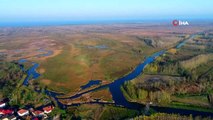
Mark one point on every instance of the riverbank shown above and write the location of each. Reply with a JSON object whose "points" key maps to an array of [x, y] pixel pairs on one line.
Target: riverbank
{"points": [[114, 87]]}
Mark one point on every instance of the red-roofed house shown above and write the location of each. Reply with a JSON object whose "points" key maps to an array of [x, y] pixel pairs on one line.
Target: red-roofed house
{"points": [[6, 112], [23, 112], [2, 104], [38, 113], [48, 109]]}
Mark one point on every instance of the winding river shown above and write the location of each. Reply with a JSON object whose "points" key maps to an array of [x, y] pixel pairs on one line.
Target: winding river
{"points": [[115, 88]]}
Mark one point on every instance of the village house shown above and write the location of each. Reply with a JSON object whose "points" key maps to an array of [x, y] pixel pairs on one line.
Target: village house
{"points": [[37, 113], [23, 112], [6, 111], [2, 104], [48, 109]]}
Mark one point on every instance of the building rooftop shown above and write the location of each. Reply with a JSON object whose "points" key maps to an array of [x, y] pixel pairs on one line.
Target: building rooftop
{"points": [[21, 111], [48, 108]]}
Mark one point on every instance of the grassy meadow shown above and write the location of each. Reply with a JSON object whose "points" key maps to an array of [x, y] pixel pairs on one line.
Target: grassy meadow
{"points": [[89, 52], [82, 60]]}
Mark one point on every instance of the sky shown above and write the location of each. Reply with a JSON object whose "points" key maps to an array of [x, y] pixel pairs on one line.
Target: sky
{"points": [[76, 10]]}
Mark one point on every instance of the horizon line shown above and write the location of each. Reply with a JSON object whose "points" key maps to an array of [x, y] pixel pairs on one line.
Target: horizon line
{"points": [[92, 22]]}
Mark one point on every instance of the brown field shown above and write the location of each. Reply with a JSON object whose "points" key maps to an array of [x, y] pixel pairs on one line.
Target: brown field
{"points": [[103, 94], [77, 54]]}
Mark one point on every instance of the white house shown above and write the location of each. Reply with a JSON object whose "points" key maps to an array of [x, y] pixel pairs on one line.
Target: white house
{"points": [[48, 109], [23, 112], [2, 104]]}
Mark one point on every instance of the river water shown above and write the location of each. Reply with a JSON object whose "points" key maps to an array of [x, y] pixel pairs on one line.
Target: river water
{"points": [[115, 88]]}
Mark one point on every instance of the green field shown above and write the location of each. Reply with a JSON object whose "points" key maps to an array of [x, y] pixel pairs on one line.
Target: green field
{"points": [[80, 61], [182, 78]]}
